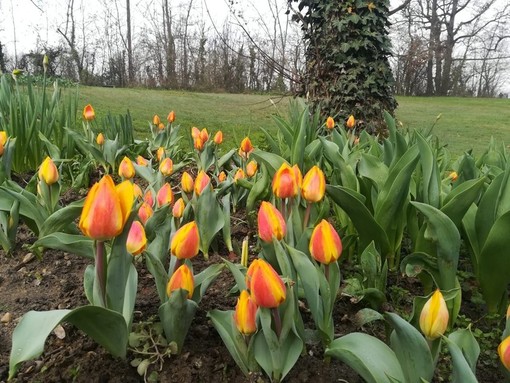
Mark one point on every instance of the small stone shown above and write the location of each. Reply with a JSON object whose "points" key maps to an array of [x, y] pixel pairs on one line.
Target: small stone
{"points": [[22, 270], [6, 318], [28, 257], [59, 332]]}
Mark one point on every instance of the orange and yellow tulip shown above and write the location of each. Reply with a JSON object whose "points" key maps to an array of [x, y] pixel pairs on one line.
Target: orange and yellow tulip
{"points": [[314, 185], [245, 314], [198, 144], [136, 240], [137, 191], [126, 169], [245, 148], [161, 126], [186, 241], [222, 176], [106, 209], [141, 161], [171, 117], [88, 113], [201, 182], [187, 182], [3, 137], [453, 176], [351, 122], [100, 139], [149, 198], [504, 352], [165, 195], [195, 132], [239, 175], [251, 168], [330, 123], [434, 316], [204, 135], [218, 137], [271, 223], [166, 167], [285, 184], [145, 212], [181, 279], [156, 120], [325, 244], [178, 208], [48, 172], [298, 175], [266, 287], [160, 153]]}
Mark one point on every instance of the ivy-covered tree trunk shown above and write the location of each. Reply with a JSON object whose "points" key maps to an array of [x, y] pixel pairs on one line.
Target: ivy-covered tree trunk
{"points": [[347, 68]]}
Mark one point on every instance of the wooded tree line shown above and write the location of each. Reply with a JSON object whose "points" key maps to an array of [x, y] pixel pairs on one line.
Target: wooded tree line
{"points": [[439, 47]]}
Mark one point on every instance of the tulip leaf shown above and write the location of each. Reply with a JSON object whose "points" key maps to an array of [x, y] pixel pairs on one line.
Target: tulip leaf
{"points": [[259, 189], [106, 327], [239, 277], [130, 295], [62, 219], [368, 356], [430, 179], [462, 372], [299, 139], [225, 158], [373, 168], [159, 273], [468, 224], [411, 350], [209, 218], [467, 343], [204, 279], [458, 201], [271, 160], [342, 170], [72, 243], [493, 266]]}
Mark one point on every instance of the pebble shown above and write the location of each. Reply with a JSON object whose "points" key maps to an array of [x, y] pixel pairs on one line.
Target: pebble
{"points": [[28, 257], [6, 318]]}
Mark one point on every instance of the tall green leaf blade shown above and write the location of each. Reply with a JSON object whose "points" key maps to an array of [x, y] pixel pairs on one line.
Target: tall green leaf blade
{"points": [[461, 370], [430, 181], [209, 217], [458, 201], [72, 243]]}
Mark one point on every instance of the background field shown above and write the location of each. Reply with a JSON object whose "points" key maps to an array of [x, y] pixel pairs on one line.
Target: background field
{"points": [[465, 123]]}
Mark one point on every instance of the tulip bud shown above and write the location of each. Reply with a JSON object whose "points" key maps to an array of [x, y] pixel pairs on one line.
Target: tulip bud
{"points": [[88, 113], [137, 191], [100, 139], [314, 185], [161, 126], [166, 167], [351, 122], [453, 176], [186, 241], [330, 123], [434, 316], [204, 135], [160, 153], [245, 314], [156, 120], [3, 137], [1, 150], [126, 169], [136, 240], [195, 132], [239, 175], [325, 244], [106, 209], [45, 63], [504, 352], [145, 212], [171, 117], [178, 208], [218, 137], [285, 184], [245, 148], [149, 198], [251, 168], [181, 279], [198, 144], [187, 183], [165, 195], [48, 172], [141, 161], [222, 176], [266, 287], [298, 176], [201, 182], [271, 223]]}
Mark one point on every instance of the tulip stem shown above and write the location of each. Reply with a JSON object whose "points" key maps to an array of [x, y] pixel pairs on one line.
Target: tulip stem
{"points": [[307, 215], [101, 270], [326, 272], [277, 321], [178, 264]]}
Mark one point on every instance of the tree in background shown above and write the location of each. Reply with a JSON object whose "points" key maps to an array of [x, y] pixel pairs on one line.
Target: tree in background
{"points": [[347, 68], [2, 60]]}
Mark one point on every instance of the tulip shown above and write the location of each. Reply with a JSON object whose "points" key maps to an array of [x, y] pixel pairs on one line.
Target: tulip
{"points": [[271, 223], [186, 241], [166, 167], [314, 185], [239, 175], [434, 316], [325, 244], [453, 176], [48, 172], [201, 182], [3, 137], [45, 63], [245, 148], [100, 139], [356, 141], [171, 117], [204, 135], [141, 161], [187, 182], [161, 126], [251, 168], [285, 184], [178, 208], [351, 122], [222, 176], [160, 153], [198, 144], [266, 287], [298, 176], [149, 198], [195, 132], [330, 123], [137, 191], [181, 279], [218, 137], [504, 352], [245, 314], [145, 212], [1, 150], [106, 209], [156, 120], [136, 240], [126, 169], [88, 113], [165, 195]]}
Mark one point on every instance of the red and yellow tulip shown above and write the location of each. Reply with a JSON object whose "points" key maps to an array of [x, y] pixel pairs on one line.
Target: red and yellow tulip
{"points": [[156, 120], [187, 182], [266, 287], [88, 113], [48, 172], [160, 153], [181, 279], [504, 352], [314, 185], [171, 117], [201, 182], [218, 137], [245, 314], [126, 169], [434, 316], [149, 198], [137, 191], [198, 144], [141, 161], [330, 123], [251, 168], [204, 135], [222, 176], [271, 223], [239, 175], [195, 132], [136, 240], [3, 137], [186, 241], [178, 208], [166, 167], [351, 122], [285, 184], [145, 212], [245, 148], [106, 209], [165, 195], [100, 139], [325, 244]]}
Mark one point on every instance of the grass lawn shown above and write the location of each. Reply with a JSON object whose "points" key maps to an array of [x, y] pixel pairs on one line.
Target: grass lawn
{"points": [[465, 123]]}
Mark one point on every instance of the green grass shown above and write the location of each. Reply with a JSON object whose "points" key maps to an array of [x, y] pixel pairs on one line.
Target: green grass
{"points": [[465, 123]]}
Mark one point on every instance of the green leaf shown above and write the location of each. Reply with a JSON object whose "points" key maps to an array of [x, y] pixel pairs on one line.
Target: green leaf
{"points": [[467, 343], [106, 327], [458, 201], [239, 277], [461, 370], [368, 356], [209, 218], [430, 180], [72, 243], [373, 168], [204, 279], [62, 219], [411, 349], [259, 189], [272, 161], [159, 273]]}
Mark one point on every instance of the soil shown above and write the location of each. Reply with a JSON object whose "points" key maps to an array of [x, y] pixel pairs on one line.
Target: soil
{"points": [[56, 282]]}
